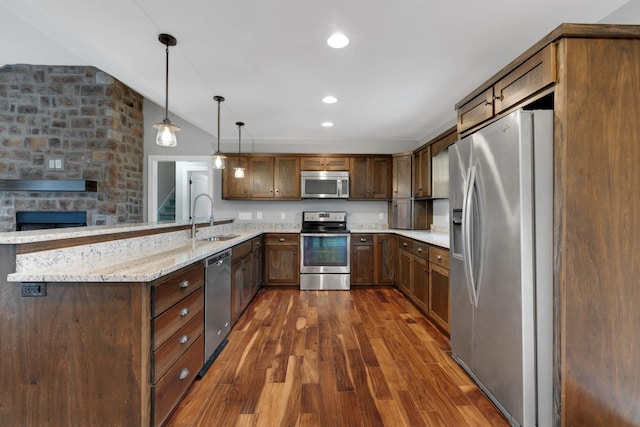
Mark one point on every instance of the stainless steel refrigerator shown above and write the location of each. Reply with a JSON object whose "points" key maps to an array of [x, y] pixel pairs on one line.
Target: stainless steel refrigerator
{"points": [[501, 293]]}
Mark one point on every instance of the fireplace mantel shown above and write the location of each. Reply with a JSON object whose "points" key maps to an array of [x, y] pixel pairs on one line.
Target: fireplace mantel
{"points": [[48, 185]]}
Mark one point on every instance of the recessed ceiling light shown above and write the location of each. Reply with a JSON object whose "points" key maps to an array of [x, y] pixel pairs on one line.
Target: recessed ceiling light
{"points": [[338, 41], [329, 99], [327, 124]]}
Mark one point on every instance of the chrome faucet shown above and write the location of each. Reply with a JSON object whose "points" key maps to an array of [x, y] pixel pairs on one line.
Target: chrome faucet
{"points": [[193, 213]]}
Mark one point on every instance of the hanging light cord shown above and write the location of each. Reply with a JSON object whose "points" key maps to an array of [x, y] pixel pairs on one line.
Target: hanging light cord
{"points": [[166, 84]]}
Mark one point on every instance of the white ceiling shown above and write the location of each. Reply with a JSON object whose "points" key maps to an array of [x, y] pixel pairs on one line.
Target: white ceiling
{"points": [[408, 63]]}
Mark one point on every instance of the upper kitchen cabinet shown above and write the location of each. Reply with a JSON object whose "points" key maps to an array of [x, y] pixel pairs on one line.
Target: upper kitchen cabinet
{"points": [[590, 76], [431, 167], [369, 178], [402, 175], [324, 163], [513, 88], [422, 172], [267, 178]]}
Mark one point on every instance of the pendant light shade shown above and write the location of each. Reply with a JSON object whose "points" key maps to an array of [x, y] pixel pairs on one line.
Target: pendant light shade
{"points": [[238, 171], [166, 136], [219, 160]]}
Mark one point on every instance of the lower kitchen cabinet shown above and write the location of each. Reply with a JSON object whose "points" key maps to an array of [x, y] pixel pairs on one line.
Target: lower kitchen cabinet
{"points": [[241, 278], [439, 287], [423, 276], [100, 353], [282, 259], [384, 259], [362, 259]]}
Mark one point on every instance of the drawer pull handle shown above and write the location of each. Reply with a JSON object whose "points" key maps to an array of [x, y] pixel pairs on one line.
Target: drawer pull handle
{"points": [[281, 239], [183, 374], [184, 339], [439, 257], [184, 284], [362, 239], [184, 312]]}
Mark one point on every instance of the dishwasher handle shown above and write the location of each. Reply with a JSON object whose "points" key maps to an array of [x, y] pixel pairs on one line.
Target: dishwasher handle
{"points": [[218, 258]]}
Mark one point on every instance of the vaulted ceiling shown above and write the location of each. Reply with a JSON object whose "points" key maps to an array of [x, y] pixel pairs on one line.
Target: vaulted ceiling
{"points": [[408, 61]]}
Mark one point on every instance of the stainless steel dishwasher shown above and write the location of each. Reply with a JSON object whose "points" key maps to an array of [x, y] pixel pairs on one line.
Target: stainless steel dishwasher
{"points": [[217, 306]]}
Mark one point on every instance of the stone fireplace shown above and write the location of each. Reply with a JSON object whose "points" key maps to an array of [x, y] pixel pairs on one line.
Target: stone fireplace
{"points": [[70, 123]]}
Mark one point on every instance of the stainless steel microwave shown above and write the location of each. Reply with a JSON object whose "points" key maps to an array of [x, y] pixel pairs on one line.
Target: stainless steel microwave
{"points": [[325, 184]]}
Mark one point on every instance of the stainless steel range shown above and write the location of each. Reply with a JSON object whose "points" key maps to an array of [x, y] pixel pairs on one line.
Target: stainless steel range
{"points": [[324, 248]]}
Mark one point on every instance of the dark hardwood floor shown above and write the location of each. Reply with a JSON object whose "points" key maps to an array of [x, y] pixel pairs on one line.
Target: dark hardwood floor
{"points": [[366, 357]]}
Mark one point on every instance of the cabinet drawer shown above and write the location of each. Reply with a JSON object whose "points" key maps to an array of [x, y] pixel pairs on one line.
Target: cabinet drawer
{"points": [[362, 240], [176, 317], [281, 239], [176, 287], [173, 385], [421, 250], [240, 251], [256, 243], [439, 257], [533, 75], [165, 356], [405, 244]]}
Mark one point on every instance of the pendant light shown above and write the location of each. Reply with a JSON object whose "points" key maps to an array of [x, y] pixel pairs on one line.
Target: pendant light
{"points": [[239, 170], [166, 136], [219, 160]]}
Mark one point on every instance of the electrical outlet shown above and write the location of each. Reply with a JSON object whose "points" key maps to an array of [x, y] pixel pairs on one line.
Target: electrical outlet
{"points": [[33, 289]]}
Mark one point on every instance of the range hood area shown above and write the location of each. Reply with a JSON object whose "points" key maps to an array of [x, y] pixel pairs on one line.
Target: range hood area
{"points": [[48, 185]]}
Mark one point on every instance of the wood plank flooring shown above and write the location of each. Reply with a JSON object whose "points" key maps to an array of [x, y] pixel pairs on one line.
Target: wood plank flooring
{"points": [[366, 357]]}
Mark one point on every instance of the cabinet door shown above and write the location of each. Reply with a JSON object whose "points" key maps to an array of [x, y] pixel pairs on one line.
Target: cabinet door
{"points": [[439, 296], [260, 177], [422, 173], [404, 271], [282, 265], [361, 259], [476, 110], [234, 188], [384, 259], [401, 176], [420, 281], [324, 164], [237, 278], [286, 179], [380, 178], [358, 177], [258, 267], [247, 282]]}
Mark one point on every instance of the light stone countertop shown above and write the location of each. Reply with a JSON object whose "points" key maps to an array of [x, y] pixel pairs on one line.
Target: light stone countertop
{"points": [[126, 262]]}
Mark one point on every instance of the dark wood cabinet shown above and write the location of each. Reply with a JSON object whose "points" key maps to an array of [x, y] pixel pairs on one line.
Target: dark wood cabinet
{"points": [[401, 176], [404, 270], [257, 250], [282, 260], [328, 163], [439, 287], [370, 178], [422, 173], [241, 278], [362, 259], [266, 178], [384, 259], [420, 282]]}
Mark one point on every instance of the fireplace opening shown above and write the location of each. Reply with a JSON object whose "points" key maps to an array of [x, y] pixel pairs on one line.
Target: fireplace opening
{"points": [[38, 220]]}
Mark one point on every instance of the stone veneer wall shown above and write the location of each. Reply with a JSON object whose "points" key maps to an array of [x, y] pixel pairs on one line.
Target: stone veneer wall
{"points": [[84, 116]]}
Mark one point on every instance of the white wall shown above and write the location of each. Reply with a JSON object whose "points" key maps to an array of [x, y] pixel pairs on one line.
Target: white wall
{"points": [[193, 141]]}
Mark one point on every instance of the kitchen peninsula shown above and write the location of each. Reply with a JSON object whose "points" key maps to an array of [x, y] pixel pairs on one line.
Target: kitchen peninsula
{"points": [[91, 350]]}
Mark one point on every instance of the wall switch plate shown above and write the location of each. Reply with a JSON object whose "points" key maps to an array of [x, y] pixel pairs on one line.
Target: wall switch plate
{"points": [[283, 215], [29, 289], [380, 215], [245, 216], [258, 215]]}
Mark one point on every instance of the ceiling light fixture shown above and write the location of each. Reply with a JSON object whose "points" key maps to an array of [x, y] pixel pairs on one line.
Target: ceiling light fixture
{"points": [[219, 160], [329, 99], [338, 41], [327, 124], [239, 170], [166, 136]]}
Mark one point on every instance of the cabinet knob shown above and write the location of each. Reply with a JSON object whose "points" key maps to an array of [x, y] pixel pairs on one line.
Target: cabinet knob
{"points": [[183, 374], [184, 339], [439, 257], [277, 191], [281, 239], [363, 239], [404, 244], [419, 249], [184, 312], [184, 284]]}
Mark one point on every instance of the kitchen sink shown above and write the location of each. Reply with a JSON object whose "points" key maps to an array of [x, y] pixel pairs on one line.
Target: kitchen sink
{"points": [[220, 238]]}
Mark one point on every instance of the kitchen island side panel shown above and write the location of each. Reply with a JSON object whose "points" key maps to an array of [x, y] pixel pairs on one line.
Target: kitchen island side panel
{"points": [[77, 356], [596, 229]]}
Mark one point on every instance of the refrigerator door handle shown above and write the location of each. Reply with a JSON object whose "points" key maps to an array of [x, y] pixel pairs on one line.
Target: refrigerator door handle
{"points": [[466, 234]]}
